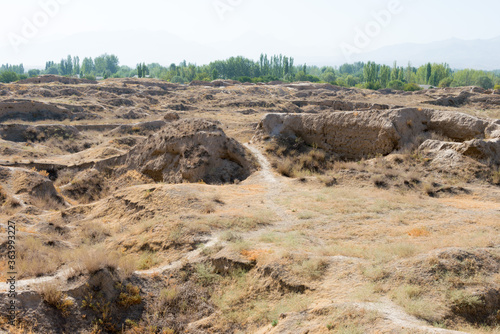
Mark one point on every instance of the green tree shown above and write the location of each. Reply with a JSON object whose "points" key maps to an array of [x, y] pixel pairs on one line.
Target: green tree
{"points": [[112, 63], [100, 65], [178, 79], [370, 73], [69, 65], [300, 76], [409, 73], [396, 85], [395, 72], [446, 82], [485, 82], [329, 76], [88, 66], [428, 73], [139, 71], [76, 65], [351, 81], [411, 87], [49, 64], [215, 74], [33, 73], [8, 76], [52, 70], [385, 75]]}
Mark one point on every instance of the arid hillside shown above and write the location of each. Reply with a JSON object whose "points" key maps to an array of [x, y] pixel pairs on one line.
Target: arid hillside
{"points": [[142, 206]]}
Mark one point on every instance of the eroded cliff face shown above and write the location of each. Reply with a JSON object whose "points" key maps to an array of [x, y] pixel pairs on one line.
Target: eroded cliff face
{"points": [[361, 134]]}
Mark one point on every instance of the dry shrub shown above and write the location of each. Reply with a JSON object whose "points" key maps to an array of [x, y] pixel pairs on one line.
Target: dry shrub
{"points": [[495, 176], [174, 308], [128, 265], [96, 259], [293, 156], [428, 188], [9, 205], [286, 167], [94, 233], [20, 327], [3, 195], [129, 295], [310, 268], [56, 298], [37, 259], [205, 274], [64, 177], [147, 260], [235, 296], [47, 202], [208, 208], [43, 173], [314, 161], [87, 186], [380, 182]]}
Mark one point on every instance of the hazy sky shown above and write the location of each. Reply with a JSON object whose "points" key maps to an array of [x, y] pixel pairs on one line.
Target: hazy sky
{"points": [[322, 25]]}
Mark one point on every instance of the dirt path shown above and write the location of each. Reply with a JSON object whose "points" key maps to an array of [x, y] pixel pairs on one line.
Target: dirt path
{"points": [[190, 257], [274, 188], [389, 311], [396, 316]]}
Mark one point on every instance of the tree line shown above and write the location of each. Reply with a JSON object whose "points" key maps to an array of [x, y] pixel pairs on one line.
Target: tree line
{"points": [[267, 68]]}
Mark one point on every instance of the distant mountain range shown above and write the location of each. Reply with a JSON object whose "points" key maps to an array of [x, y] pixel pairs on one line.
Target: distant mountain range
{"points": [[133, 47], [477, 54]]}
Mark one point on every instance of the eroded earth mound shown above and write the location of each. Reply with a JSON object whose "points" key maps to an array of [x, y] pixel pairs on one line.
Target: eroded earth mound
{"points": [[362, 134], [191, 150]]}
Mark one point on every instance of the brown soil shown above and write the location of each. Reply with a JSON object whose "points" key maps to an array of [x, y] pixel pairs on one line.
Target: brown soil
{"points": [[143, 206]]}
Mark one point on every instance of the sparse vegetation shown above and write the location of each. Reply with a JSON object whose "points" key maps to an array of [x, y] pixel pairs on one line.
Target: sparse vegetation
{"points": [[129, 295], [318, 248], [55, 298]]}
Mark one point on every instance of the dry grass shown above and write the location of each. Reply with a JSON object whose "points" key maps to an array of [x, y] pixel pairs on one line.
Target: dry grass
{"points": [[294, 158], [147, 260], [10, 206], [94, 259], [47, 202], [242, 222], [52, 295], [311, 269], [416, 302], [350, 320], [64, 177], [376, 212], [128, 265], [238, 303], [37, 259], [93, 232], [287, 167]]}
